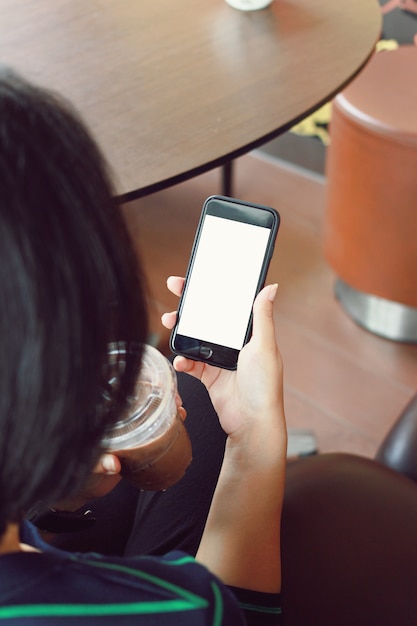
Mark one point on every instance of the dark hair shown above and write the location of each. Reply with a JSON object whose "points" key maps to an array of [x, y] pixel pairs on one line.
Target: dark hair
{"points": [[70, 283]]}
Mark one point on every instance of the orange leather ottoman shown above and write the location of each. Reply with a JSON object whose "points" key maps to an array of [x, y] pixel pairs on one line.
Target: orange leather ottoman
{"points": [[370, 226]]}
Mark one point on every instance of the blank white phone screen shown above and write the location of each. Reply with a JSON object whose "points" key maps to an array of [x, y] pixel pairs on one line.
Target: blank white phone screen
{"points": [[223, 282]]}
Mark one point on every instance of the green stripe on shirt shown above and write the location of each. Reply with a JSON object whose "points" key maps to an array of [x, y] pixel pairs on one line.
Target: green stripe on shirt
{"points": [[192, 598], [261, 609], [218, 607], [90, 610], [185, 601]]}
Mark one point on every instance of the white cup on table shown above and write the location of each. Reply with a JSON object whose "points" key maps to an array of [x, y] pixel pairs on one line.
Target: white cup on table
{"points": [[249, 5]]}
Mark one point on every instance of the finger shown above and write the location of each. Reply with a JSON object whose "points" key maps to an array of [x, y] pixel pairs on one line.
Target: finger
{"points": [[108, 464], [207, 374], [263, 316], [182, 413], [194, 368], [175, 284], [168, 319]]}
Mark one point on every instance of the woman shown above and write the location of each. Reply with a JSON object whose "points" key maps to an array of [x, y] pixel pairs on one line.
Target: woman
{"points": [[70, 285]]}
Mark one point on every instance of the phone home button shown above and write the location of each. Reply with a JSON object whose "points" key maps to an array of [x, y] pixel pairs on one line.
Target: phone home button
{"points": [[206, 352]]}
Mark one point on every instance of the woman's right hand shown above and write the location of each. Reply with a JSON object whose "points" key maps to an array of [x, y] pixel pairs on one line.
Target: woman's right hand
{"points": [[253, 394], [241, 539]]}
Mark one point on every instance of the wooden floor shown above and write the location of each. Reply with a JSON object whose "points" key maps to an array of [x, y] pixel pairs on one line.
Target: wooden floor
{"points": [[342, 382]]}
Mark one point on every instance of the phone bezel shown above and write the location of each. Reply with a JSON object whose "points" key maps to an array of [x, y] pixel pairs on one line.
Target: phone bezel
{"points": [[235, 210]]}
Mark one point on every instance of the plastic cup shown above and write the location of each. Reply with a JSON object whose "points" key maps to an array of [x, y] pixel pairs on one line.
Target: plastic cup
{"points": [[151, 440]]}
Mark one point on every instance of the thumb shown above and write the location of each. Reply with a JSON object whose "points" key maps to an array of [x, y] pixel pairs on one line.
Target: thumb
{"points": [[108, 464], [263, 316]]}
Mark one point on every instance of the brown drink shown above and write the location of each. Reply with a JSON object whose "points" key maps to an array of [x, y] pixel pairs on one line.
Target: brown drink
{"points": [[160, 463], [151, 441]]}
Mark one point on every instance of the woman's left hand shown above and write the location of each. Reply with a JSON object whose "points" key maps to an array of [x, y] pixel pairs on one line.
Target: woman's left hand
{"points": [[102, 480], [104, 477]]}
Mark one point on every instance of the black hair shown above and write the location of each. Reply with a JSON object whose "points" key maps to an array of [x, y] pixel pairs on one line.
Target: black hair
{"points": [[70, 283]]}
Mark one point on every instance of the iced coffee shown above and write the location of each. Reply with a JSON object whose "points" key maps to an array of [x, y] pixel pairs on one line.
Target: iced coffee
{"points": [[151, 440]]}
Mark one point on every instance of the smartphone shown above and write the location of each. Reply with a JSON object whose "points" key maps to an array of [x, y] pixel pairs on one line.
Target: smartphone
{"points": [[229, 262]]}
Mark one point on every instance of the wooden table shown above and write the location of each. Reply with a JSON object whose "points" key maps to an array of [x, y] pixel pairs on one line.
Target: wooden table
{"points": [[172, 88]]}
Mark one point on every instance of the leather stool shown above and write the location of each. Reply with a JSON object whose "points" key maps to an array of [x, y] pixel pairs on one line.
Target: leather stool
{"points": [[370, 227]]}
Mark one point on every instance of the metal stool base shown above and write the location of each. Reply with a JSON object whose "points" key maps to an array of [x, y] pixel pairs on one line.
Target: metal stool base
{"points": [[382, 317]]}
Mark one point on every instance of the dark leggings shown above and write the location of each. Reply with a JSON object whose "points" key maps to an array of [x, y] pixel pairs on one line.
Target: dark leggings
{"points": [[349, 528]]}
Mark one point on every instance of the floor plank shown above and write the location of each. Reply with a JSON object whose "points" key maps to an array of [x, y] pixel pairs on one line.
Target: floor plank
{"points": [[341, 381]]}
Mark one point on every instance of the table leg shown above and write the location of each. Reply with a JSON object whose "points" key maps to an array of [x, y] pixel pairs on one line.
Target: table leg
{"points": [[227, 173]]}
